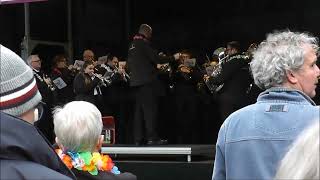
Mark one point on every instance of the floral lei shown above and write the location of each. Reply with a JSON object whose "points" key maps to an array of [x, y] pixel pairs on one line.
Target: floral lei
{"points": [[87, 161]]}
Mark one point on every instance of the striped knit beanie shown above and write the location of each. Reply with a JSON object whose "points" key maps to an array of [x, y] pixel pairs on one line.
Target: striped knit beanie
{"points": [[18, 89]]}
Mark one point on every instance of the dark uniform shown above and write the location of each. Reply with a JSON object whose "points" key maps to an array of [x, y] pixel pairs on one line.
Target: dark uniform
{"points": [[236, 79], [142, 62]]}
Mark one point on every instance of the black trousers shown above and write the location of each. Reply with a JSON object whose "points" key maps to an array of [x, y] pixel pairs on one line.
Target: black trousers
{"points": [[146, 112]]}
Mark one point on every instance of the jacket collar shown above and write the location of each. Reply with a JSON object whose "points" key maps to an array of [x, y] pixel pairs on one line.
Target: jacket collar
{"points": [[282, 94]]}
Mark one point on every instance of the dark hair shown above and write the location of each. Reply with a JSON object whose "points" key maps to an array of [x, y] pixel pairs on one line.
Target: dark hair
{"points": [[87, 81], [234, 45], [58, 58]]}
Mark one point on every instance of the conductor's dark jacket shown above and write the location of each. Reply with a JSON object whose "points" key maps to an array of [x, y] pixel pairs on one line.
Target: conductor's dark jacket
{"points": [[142, 62]]}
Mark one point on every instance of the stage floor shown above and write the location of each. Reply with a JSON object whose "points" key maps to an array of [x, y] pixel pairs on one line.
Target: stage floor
{"points": [[188, 150]]}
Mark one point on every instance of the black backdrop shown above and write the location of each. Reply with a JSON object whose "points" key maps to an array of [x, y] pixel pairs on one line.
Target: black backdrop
{"points": [[200, 25]]}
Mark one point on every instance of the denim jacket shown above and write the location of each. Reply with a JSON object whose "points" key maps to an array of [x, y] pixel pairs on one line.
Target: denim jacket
{"points": [[253, 140]]}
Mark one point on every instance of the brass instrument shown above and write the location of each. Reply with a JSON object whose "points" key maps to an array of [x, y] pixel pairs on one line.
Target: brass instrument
{"points": [[126, 75], [185, 71], [217, 69], [43, 79], [49, 84], [103, 80]]}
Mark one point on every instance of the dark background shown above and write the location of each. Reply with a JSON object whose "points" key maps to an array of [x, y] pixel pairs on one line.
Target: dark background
{"points": [[203, 26]]}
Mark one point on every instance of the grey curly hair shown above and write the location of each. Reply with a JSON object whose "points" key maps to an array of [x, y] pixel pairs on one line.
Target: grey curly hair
{"points": [[279, 53]]}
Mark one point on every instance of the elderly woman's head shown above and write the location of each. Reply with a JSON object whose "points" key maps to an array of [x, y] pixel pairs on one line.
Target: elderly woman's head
{"points": [[287, 59], [78, 126]]}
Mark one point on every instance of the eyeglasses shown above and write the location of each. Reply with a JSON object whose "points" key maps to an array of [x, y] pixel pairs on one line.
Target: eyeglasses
{"points": [[36, 60]]}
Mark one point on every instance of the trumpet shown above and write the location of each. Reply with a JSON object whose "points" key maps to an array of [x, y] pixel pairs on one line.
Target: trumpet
{"points": [[124, 72], [103, 80]]}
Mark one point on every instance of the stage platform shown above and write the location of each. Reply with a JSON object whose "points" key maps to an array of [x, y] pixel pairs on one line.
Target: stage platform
{"points": [[188, 151]]}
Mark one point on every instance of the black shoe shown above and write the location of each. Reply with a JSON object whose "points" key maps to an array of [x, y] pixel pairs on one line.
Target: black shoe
{"points": [[157, 142]]}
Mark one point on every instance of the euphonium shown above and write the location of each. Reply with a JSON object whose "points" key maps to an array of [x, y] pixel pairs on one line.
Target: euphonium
{"points": [[214, 88]]}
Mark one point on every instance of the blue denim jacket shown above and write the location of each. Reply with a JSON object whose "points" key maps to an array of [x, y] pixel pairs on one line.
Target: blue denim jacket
{"points": [[254, 139]]}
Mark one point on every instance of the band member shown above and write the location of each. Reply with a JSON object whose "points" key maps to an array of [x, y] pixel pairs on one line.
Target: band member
{"points": [[142, 62], [116, 96], [66, 74], [48, 92], [44, 82], [236, 79], [86, 85], [185, 80], [88, 55]]}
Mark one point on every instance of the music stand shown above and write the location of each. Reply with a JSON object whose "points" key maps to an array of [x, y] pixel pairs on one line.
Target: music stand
{"points": [[108, 130]]}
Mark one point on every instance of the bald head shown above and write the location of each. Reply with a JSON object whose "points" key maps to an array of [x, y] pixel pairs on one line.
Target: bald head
{"points": [[145, 30], [88, 55]]}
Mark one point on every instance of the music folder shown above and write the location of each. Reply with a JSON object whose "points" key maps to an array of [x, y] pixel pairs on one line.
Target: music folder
{"points": [[59, 83], [190, 62]]}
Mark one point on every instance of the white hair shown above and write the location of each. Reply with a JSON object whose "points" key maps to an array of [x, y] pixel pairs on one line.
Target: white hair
{"points": [[29, 59], [302, 160], [78, 126], [279, 53]]}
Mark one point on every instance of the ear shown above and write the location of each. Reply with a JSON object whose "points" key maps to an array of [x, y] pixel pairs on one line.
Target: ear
{"points": [[291, 77], [99, 143]]}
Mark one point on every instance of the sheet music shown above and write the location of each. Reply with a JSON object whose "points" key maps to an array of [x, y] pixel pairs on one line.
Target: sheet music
{"points": [[209, 70], [190, 62], [59, 83], [78, 63]]}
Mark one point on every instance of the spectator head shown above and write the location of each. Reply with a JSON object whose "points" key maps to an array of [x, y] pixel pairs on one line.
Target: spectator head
{"points": [[287, 59], [19, 94], [145, 30], [78, 127], [302, 160]]}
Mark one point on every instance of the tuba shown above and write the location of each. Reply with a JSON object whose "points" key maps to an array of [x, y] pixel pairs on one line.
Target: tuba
{"points": [[222, 57]]}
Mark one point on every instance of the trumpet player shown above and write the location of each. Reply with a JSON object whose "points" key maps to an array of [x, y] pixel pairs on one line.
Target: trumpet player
{"points": [[67, 74], [86, 85], [186, 78], [116, 96]]}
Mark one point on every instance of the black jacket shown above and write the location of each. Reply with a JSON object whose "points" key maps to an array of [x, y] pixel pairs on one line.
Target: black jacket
{"points": [[65, 94], [25, 154], [236, 78], [47, 94], [142, 62], [83, 175], [83, 91]]}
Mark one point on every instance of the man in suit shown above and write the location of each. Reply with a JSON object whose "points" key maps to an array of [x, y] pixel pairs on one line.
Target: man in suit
{"points": [[142, 62]]}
